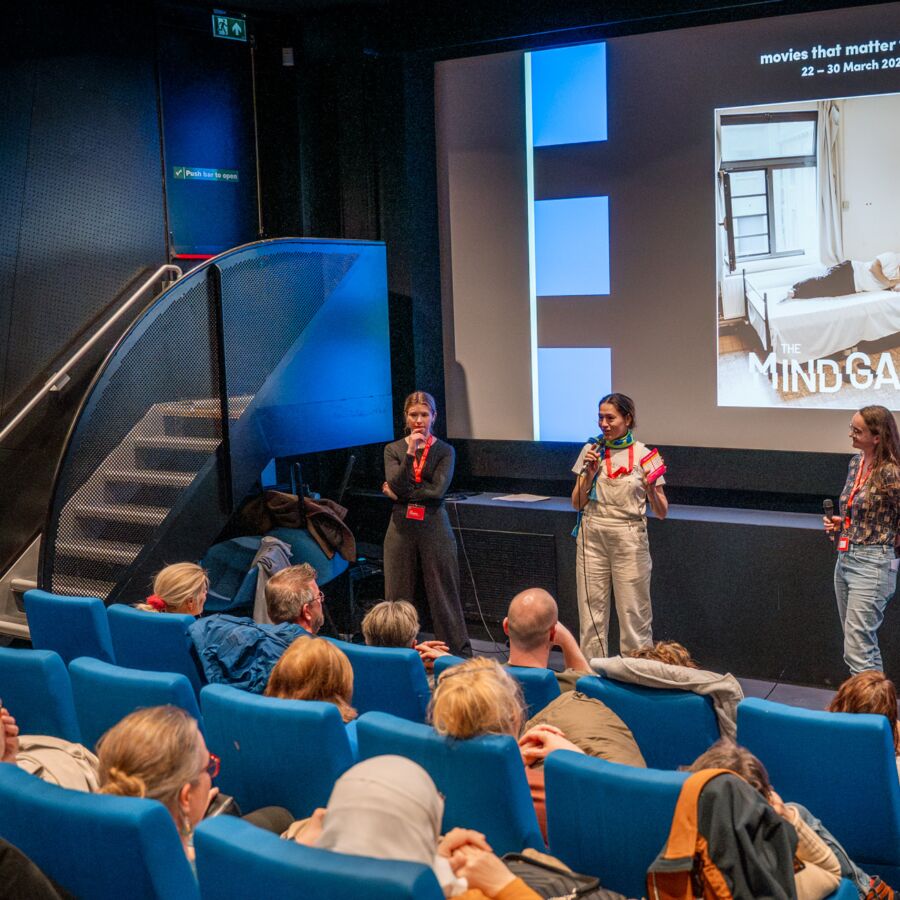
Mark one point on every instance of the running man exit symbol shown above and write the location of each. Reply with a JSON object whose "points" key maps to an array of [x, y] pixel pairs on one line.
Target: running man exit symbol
{"points": [[229, 27]]}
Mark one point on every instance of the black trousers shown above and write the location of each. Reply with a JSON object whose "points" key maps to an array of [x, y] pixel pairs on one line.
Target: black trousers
{"points": [[432, 544]]}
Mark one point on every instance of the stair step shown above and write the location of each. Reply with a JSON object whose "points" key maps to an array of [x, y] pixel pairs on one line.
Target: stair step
{"points": [[132, 513], [155, 477], [117, 552], [175, 442], [76, 586], [205, 409]]}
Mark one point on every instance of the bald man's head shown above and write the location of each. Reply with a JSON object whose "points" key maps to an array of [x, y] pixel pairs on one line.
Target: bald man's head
{"points": [[531, 615]]}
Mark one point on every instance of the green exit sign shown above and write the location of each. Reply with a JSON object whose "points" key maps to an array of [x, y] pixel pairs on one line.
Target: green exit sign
{"points": [[229, 27]]}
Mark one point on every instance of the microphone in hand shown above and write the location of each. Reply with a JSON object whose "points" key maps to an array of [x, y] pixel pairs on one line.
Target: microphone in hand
{"points": [[584, 469], [828, 509]]}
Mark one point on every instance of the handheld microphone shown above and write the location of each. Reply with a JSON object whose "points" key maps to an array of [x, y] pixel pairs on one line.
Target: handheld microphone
{"points": [[828, 509], [593, 442]]}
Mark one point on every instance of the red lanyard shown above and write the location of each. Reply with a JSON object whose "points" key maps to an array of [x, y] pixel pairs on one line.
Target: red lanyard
{"points": [[417, 467], [858, 482], [621, 470]]}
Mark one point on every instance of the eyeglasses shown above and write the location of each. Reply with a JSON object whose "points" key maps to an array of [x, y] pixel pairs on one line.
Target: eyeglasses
{"points": [[856, 432], [213, 766], [320, 597]]}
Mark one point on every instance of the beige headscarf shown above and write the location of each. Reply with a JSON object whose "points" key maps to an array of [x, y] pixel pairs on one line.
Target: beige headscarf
{"points": [[387, 807]]}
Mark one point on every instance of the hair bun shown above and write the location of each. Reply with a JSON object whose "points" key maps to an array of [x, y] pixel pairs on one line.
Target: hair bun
{"points": [[121, 784]]}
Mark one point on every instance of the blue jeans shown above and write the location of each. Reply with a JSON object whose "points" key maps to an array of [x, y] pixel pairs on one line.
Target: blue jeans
{"points": [[863, 584], [849, 869]]}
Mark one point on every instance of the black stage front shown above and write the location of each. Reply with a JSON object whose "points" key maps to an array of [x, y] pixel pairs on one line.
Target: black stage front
{"points": [[747, 591]]}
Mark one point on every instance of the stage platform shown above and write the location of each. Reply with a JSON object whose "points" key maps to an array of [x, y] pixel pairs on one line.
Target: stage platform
{"points": [[747, 591]]}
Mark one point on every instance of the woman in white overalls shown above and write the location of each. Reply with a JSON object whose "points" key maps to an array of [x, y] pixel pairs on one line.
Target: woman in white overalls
{"points": [[616, 477]]}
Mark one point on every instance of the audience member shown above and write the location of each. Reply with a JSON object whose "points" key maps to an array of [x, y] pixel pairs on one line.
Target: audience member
{"points": [[313, 669], [240, 652], [669, 652], [292, 595], [478, 697], [870, 692], [533, 628], [179, 588], [667, 664], [395, 623], [388, 808], [159, 753], [823, 861]]}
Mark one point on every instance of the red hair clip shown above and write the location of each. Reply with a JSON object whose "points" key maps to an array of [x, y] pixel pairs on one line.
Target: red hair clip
{"points": [[156, 602]]}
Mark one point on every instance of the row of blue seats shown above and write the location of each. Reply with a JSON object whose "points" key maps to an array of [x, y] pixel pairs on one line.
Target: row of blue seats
{"points": [[845, 771], [385, 679], [603, 818], [671, 727]]}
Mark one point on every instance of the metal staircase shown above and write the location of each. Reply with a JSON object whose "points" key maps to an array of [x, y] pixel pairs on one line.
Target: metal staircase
{"points": [[276, 348], [109, 520]]}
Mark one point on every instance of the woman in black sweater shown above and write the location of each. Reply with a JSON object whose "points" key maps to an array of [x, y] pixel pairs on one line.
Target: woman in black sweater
{"points": [[418, 469]]}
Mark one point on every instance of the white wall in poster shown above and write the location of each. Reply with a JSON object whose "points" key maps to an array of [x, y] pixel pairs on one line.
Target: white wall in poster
{"points": [[871, 157]]}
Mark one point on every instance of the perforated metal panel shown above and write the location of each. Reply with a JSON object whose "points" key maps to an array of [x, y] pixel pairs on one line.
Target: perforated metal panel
{"points": [[151, 423], [81, 197], [268, 301], [503, 563]]}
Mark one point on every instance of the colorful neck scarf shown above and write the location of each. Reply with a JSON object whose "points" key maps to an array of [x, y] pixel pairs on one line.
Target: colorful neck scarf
{"points": [[626, 440]]}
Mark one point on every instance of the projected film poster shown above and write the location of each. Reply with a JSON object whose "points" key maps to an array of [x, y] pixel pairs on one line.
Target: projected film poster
{"points": [[713, 211], [808, 239]]}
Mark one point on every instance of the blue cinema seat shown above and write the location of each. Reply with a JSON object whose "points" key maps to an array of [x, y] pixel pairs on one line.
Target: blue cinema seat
{"points": [[442, 663], [154, 642], [607, 819], [72, 626], [539, 686], [35, 688], [839, 765], [94, 846], [611, 821], [275, 752], [482, 779], [105, 694], [305, 549], [672, 728], [232, 580], [388, 679], [236, 861]]}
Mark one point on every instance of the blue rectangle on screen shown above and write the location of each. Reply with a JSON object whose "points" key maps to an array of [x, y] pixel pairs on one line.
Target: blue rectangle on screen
{"points": [[568, 95], [571, 247], [571, 380]]}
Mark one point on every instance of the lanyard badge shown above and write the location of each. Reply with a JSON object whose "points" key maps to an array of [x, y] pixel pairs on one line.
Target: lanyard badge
{"points": [[418, 466], [861, 478], [416, 511]]}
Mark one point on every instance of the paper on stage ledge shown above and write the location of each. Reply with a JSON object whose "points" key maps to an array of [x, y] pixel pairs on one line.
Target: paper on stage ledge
{"points": [[522, 498]]}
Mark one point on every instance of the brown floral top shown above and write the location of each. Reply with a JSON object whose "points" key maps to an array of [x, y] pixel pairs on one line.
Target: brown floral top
{"points": [[875, 513]]}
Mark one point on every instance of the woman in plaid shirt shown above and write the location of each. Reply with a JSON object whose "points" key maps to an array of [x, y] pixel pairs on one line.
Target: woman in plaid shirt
{"points": [[867, 530]]}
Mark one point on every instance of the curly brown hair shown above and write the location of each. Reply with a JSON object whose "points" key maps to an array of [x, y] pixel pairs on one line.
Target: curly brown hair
{"points": [[869, 692], [670, 652]]}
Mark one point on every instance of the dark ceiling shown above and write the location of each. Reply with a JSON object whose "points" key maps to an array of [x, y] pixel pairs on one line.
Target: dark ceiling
{"points": [[458, 27]]}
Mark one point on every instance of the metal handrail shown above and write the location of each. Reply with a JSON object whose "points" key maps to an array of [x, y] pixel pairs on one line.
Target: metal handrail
{"points": [[55, 381]]}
